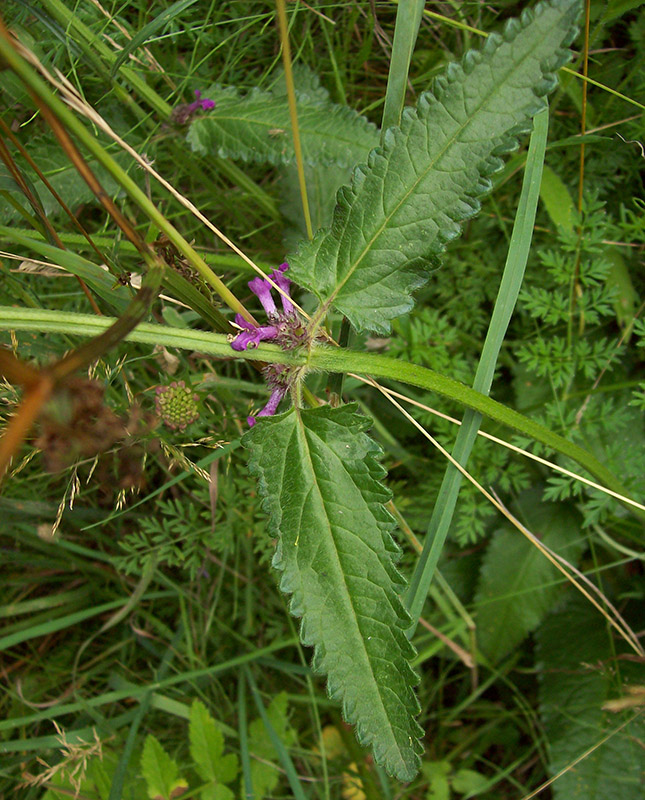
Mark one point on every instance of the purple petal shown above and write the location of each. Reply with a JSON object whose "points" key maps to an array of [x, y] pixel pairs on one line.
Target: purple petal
{"points": [[202, 103], [244, 339], [262, 289], [274, 401], [244, 323], [271, 407], [283, 267], [285, 284], [253, 337]]}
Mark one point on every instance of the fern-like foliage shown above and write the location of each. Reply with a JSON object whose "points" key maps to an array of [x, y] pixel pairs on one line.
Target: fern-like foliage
{"points": [[257, 127], [320, 480], [411, 196], [175, 537], [583, 260]]}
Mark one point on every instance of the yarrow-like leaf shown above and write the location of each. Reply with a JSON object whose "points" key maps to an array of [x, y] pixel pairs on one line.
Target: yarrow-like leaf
{"points": [[413, 193], [320, 480]]}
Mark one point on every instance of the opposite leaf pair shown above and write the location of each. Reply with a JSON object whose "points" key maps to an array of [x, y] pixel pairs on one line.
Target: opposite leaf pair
{"points": [[317, 469]]}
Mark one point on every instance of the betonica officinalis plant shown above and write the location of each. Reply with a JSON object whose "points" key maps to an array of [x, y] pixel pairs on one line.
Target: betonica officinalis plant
{"points": [[262, 282]]}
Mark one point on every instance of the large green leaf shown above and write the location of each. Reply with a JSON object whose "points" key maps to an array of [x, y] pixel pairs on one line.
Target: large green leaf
{"points": [[411, 196], [579, 672], [320, 480], [518, 585], [257, 127]]}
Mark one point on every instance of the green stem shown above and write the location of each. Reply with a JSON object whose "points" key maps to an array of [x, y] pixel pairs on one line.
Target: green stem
{"points": [[137, 309], [336, 379], [319, 358], [384, 367], [293, 112]]}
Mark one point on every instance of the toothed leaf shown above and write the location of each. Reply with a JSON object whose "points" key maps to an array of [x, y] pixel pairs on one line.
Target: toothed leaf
{"points": [[320, 480], [160, 772], [413, 194], [207, 746], [257, 127]]}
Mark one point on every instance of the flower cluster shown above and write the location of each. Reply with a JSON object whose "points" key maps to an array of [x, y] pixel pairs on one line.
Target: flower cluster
{"points": [[182, 113], [285, 329], [176, 405]]}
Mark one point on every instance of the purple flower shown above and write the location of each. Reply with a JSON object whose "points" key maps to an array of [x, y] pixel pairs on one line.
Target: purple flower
{"points": [[285, 328], [285, 284], [244, 323], [253, 336], [205, 104], [271, 407], [262, 289], [181, 114]]}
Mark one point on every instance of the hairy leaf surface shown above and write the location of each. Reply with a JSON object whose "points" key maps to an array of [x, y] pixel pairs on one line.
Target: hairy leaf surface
{"points": [[257, 127], [579, 673], [318, 474], [413, 193], [518, 585]]}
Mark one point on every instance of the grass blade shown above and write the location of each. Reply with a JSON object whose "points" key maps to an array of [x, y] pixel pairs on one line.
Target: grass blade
{"points": [[245, 756], [159, 22], [408, 19], [507, 297], [283, 753]]}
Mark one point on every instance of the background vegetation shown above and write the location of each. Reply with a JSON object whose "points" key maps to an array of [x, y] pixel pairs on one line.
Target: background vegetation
{"points": [[146, 649]]}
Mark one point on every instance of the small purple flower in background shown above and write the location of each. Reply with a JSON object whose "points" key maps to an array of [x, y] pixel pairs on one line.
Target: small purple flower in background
{"points": [[176, 405], [182, 113], [204, 104], [285, 328]]}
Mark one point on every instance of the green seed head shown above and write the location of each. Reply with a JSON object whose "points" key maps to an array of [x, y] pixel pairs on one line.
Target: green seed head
{"points": [[176, 405]]}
